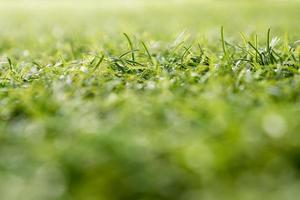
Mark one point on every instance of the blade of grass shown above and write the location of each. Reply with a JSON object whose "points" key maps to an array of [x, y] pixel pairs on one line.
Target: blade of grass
{"points": [[256, 50], [223, 43], [131, 46], [147, 51], [37, 64], [268, 41], [99, 62], [201, 50], [128, 52], [185, 53], [9, 63], [256, 47]]}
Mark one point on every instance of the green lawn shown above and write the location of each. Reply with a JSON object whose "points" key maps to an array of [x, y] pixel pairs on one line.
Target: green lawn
{"points": [[174, 99]]}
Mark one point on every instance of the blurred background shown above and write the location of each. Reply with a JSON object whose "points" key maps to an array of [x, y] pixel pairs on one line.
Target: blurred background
{"points": [[170, 17], [143, 145], [45, 22]]}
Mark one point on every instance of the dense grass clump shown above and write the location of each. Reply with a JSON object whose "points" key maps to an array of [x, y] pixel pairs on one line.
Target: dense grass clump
{"points": [[87, 112]]}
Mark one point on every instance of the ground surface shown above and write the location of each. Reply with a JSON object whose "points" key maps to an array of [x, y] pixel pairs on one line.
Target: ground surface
{"points": [[173, 109]]}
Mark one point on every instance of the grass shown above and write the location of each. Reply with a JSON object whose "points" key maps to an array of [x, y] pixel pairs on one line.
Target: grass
{"points": [[114, 101]]}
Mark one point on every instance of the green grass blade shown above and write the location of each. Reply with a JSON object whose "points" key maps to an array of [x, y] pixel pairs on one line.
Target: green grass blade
{"points": [[223, 43], [147, 51], [130, 45]]}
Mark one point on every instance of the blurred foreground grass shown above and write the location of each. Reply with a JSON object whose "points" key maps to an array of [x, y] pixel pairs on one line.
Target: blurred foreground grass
{"points": [[83, 117]]}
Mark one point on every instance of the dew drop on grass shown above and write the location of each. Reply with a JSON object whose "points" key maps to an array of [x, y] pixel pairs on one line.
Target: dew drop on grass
{"points": [[274, 125], [151, 85], [26, 53], [84, 69], [194, 74], [139, 86], [112, 98], [69, 80]]}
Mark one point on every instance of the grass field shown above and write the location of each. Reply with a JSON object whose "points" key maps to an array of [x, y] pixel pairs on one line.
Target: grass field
{"points": [[174, 99]]}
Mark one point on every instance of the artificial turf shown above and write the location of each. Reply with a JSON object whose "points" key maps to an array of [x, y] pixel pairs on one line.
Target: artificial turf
{"points": [[149, 100]]}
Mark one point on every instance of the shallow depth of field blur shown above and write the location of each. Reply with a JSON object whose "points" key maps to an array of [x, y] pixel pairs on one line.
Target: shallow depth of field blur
{"points": [[167, 110]]}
